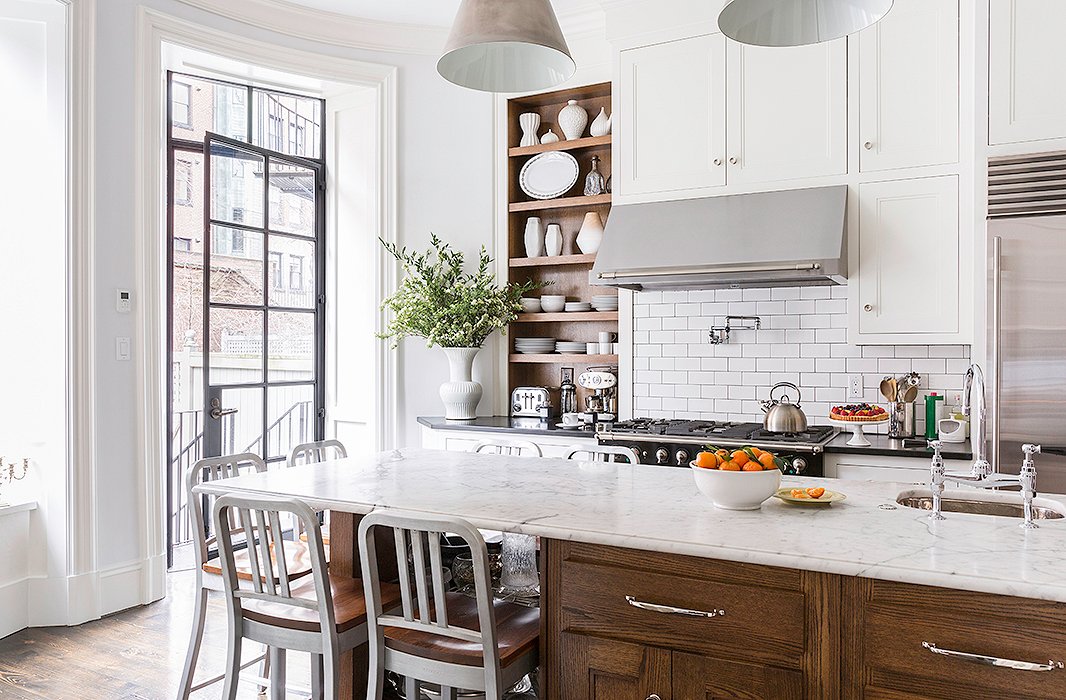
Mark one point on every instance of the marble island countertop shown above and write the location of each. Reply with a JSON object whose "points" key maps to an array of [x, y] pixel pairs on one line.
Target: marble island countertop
{"points": [[659, 509]]}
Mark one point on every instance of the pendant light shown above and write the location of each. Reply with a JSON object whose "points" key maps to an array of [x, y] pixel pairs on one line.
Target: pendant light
{"points": [[506, 46], [797, 22]]}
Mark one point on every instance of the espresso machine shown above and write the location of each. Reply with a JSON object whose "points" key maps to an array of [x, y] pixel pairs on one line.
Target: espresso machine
{"points": [[602, 403]]}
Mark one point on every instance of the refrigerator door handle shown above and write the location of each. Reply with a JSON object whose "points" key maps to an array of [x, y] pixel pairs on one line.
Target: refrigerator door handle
{"points": [[997, 294]]}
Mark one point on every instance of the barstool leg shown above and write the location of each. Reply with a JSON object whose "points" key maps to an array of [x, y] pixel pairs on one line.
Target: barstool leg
{"points": [[447, 693], [233, 665], [277, 673], [199, 617], [331, 686], [411, 690], [316, 677]]}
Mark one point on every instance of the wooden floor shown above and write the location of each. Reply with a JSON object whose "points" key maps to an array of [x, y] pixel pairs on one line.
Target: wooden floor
{"points": [[132, 655]]}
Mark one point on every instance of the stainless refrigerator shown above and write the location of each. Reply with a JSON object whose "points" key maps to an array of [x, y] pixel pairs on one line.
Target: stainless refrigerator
{"points": [[1027, 340]]}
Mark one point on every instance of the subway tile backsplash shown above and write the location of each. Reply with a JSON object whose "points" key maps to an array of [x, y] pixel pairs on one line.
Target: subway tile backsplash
{"points": [[678, 373]]}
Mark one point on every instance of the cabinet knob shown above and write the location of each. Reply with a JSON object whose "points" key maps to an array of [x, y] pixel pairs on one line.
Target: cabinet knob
{"points": [[733, 161], [868, 307], [868, 145], [717, 161]]}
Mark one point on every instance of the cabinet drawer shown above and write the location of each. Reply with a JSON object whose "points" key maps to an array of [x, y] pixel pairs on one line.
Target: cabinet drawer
{"points": [[602, 596], [898, 618]]}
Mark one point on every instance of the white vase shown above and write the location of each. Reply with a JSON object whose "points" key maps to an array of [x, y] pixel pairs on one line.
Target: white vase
{"points": [[601, 125], [530, 122], [534, 238], [553, 240], [572, 120], [460, 393], [550, 137], [591, 233]]}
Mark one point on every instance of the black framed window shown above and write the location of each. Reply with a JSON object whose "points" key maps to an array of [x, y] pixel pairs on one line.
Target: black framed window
{"points": [[180, 104], [183, 182], [296, 272]]}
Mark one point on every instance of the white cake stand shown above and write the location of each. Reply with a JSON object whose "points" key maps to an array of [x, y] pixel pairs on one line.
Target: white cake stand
{"points": [[857, 437]]}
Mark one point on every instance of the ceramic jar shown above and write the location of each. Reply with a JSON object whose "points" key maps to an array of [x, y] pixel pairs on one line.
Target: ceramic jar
{"points": [[460, 393], [572, 120], [553, 240], [591, 234], [601, 125], [530, 122], [534, 238], [550, 137]]}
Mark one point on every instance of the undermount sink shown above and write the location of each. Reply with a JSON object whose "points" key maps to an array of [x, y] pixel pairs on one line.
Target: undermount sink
{"points": [[1007, 505]]}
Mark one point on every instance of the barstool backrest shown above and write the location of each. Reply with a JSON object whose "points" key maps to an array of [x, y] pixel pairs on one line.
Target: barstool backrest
{"points": [[321, 451], [210, 469], [603, 453], [513, 448]]}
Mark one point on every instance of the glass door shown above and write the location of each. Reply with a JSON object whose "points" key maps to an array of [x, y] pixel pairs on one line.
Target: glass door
{"points": [[263, 321]]}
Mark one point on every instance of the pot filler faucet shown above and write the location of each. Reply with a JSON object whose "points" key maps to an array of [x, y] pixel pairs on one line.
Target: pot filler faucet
{"points": [[981, 474]]}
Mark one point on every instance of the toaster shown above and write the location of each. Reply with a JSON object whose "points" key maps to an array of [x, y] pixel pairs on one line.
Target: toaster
{"points": [[533, 401]]}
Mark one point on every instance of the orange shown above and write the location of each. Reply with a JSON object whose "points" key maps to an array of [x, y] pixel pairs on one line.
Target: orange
{"points": [[757, 452], [707, 460], [767, 461], [723, 456], [816, 493], [752, 467], [740, 457], [730, 467], [798, 493]]}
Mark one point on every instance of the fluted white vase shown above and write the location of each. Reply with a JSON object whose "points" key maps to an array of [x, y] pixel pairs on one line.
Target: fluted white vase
{"points": [[553, 240], [460, 393], [573, 120], [601, 125], [591, 234], [534, 238], [530, 122]]}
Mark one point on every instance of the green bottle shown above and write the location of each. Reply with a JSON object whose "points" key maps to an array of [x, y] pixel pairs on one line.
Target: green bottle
{"points": [[931, 428]]}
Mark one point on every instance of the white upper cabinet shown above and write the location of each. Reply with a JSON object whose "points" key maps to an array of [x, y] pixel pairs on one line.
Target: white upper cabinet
{"points": [[909, 87], [672, 132], [1027, 83], [907, 282], [787, 112]]}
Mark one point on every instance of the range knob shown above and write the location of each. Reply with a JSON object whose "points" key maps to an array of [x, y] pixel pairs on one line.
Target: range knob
{"points": [[682, 458], [662, 455], [799, 465]]}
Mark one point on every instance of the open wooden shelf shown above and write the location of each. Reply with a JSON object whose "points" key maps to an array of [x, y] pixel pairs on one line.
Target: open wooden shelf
{"points": [[544, 317], [561, 145], [553, 260], [559, 358], [563, 203]]}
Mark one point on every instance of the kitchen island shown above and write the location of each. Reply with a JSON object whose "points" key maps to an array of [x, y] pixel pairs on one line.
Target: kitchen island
{"points": [[799, 585]]}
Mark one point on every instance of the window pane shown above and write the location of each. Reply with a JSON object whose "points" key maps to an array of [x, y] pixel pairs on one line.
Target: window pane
{"points": [[236, 266], [292, 343], [292, 198], [292, 272], [242, 431], [286, 123], [290, 418], [236, 346], [199, 106], [236, 185]]}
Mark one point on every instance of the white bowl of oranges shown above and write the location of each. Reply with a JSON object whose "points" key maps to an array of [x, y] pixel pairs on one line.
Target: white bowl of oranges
{"points": [[739, 480]]}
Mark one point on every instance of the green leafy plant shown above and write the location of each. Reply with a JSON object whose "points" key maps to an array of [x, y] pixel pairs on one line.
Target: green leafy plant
{"points": [[441, 302]]}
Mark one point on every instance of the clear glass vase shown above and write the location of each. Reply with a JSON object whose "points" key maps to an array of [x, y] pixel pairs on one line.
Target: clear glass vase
{"points": [[519, 562]]}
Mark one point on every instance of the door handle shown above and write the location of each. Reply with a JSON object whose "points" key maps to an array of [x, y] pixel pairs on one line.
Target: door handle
{"points": [[217, 411]]}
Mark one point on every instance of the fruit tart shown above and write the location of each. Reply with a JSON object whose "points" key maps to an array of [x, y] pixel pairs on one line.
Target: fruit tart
{"points": [[858, 413]]}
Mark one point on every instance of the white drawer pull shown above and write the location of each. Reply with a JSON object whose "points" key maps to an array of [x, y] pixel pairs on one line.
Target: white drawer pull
{"points": [[993, 660], [671, 610]]}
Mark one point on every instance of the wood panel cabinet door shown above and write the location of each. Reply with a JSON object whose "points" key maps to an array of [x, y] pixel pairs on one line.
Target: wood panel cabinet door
{"points": [[909, 87], [908, 276], [1027, 86], [787, 112], [705, 678], [598, 669], [672, 100]]}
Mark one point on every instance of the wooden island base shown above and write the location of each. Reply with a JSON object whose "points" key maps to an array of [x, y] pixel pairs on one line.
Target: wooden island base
{"points": [[765, 633]]}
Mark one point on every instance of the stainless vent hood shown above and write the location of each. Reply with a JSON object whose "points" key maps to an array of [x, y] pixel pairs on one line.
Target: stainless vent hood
{"points": [[763, 239]]}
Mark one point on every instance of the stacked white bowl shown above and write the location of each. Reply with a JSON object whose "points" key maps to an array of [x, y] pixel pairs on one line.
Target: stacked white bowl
{"points": [[605, 302], [534, 346], [553, 303], [530, 305]]}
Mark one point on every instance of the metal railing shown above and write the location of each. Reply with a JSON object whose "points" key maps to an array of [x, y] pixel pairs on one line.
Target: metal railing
{"points": [[292, 427]]}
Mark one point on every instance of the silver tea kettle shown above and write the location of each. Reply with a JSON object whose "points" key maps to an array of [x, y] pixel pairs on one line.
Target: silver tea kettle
{"points": [[783, 416]]}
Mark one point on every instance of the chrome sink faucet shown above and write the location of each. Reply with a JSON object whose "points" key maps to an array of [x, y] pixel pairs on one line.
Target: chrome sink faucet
{"points": [[973, 406], [1026, 479]]}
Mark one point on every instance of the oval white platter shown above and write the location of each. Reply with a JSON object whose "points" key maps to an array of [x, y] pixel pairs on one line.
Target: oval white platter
{"points": [[548, 175]]}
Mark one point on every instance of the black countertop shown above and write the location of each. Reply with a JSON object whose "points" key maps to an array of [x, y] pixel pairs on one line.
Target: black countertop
{"points": [[881, 445]]}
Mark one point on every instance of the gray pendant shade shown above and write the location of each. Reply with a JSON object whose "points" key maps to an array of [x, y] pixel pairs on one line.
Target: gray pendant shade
{"points": [[797, 22], [506, 46]]}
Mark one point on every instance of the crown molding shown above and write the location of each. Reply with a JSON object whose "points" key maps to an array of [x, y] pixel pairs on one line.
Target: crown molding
{"points": [[329, 27]]}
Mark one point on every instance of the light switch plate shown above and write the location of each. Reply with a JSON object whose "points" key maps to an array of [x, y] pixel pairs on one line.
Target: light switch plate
{"points": [[122, 349]]}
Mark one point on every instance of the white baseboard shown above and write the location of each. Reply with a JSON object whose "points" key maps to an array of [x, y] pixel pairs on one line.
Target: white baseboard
{"points": [[14, 606]]}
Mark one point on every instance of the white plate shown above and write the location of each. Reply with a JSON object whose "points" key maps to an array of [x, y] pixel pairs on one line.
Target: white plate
{"points": [[548, 175]]}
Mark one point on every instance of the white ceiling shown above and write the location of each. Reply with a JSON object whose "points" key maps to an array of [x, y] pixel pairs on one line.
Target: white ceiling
{"points": [[425, 12]]}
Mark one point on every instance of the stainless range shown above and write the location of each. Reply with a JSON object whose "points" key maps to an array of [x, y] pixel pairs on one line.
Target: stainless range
{"points": [[675, 442]]}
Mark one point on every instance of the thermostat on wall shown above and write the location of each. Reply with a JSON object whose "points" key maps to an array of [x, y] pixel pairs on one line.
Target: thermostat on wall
{"points": [[123, 301]]}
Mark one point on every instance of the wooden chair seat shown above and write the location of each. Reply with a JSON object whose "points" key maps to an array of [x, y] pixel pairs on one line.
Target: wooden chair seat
{"points": [[348, 603], [325, 536], [297, 562], [517, 630]]}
